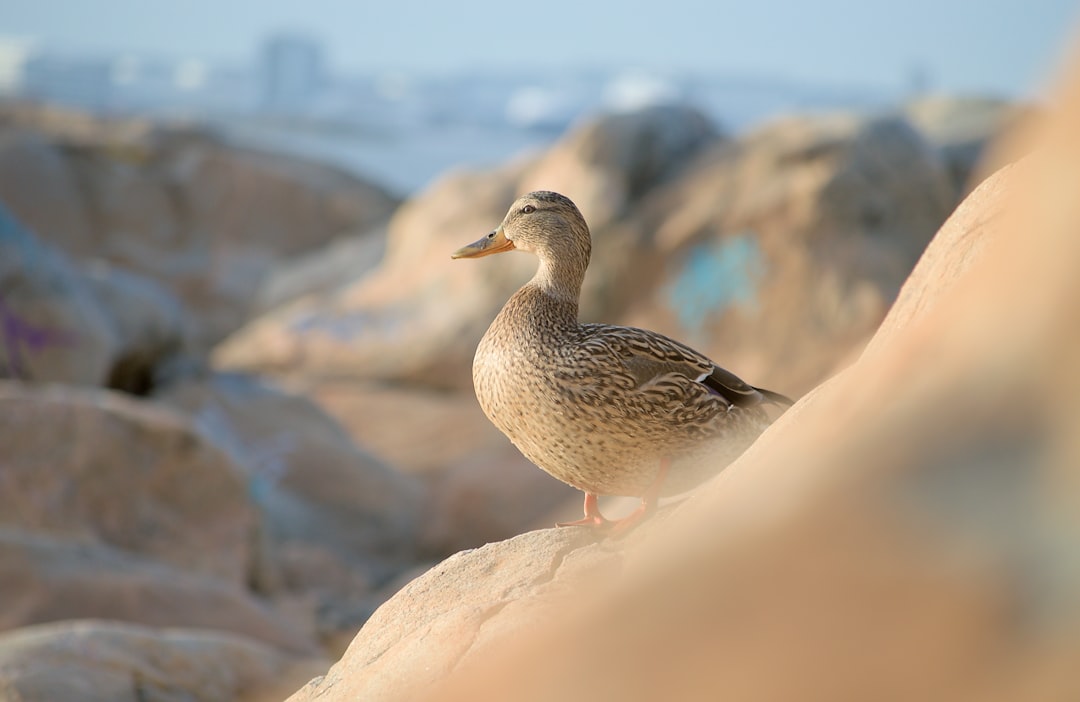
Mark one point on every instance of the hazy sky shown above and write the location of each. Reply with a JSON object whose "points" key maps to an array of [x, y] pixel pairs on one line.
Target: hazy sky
{"points": [[1004, 46]]}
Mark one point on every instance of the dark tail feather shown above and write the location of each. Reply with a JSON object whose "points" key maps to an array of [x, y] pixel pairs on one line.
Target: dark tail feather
{"points": [[775, 397], [734, 390]]}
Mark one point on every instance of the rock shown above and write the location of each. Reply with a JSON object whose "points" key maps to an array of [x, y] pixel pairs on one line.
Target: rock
{"points": [[815, 219], [152, 330], [417, 318], [91, 325], [482, 489], [93, 660], [98, 466], [608, 163], [419, 636], [907, 527], [371, 414], [493, 495], [206, 220], [307, 477], [961, 128], [390, 323], [40, 189], [337, 522], [52, 327], [45, 578], [324, 270], [778, 253]]}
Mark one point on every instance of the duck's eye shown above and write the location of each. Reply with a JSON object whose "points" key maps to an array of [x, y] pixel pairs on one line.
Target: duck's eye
{"points": [[528, 209]]}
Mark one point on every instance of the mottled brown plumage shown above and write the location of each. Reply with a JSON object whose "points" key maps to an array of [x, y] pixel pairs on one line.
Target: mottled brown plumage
{"points": [[600, 407]]}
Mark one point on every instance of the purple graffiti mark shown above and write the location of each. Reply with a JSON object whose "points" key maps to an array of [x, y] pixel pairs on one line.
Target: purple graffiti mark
{"points": [[17, 335]]}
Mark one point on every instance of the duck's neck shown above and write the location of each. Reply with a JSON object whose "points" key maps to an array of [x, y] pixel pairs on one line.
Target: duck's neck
{"points": [[552, 296], [559, 281]]}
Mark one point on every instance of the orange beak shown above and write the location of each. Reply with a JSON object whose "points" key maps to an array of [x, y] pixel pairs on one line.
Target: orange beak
{"points": [[493, 243]]}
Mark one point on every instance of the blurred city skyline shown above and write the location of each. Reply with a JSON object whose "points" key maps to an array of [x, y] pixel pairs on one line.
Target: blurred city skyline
{"points": [[1005, 47]]}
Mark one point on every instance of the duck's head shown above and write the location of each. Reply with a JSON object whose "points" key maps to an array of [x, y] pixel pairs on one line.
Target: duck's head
{"points": [[542, 222]]}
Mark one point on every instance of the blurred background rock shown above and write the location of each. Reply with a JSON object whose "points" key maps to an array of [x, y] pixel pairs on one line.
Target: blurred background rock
{"points": [[236, 412]]}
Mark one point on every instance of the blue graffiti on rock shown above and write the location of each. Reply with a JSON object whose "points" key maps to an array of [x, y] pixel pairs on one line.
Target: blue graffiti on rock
{"points": [[715, 277]]}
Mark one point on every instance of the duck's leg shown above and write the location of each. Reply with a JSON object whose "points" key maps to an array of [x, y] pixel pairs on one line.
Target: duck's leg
{"points": [[649, 502], [592, 518]]}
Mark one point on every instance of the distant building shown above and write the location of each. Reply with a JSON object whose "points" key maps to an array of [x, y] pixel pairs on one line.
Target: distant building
{"points": [[68, 80], [14, 53], [292, 72]]}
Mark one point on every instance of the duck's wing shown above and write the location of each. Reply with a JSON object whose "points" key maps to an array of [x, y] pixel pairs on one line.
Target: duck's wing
{"points": [[648, 362]]}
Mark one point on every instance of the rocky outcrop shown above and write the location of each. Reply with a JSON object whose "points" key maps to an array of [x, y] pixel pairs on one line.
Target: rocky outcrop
{"points": [[93, 661], [902, 530], [277, 516], [814, 219], [418, 317], [117, 508], [203, 219], [778, 253]]}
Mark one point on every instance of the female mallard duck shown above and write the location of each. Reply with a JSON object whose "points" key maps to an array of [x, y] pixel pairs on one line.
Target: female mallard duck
{"points": [[610, 410]]}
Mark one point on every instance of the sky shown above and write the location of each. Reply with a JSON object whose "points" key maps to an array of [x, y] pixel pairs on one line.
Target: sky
{"points": [[1004, 47]]}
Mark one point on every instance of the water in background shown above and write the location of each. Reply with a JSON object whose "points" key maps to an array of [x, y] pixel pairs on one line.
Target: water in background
{"points": [[399, 129], [408, 140]]}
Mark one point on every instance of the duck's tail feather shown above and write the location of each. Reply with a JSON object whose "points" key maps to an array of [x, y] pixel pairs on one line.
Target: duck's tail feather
{"points": [[775, 397]]}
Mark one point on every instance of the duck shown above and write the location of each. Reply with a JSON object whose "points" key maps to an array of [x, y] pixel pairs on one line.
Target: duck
{"points": [[609, 410]]}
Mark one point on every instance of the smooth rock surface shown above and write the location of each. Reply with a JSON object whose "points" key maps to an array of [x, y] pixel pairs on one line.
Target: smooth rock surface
{"points": [[93, 661], [45, 578], [442, 617], [98, 466]]}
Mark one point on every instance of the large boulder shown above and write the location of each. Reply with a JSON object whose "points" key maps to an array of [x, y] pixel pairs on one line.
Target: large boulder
{"points": [[905, 530], [303, 471], [52, 326], [206, 220], [119, 508], [338, 523], [94, 324], [779, 253], [95, 465], [608, 163], [96, 661], [418, 638], [417, 318]]}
